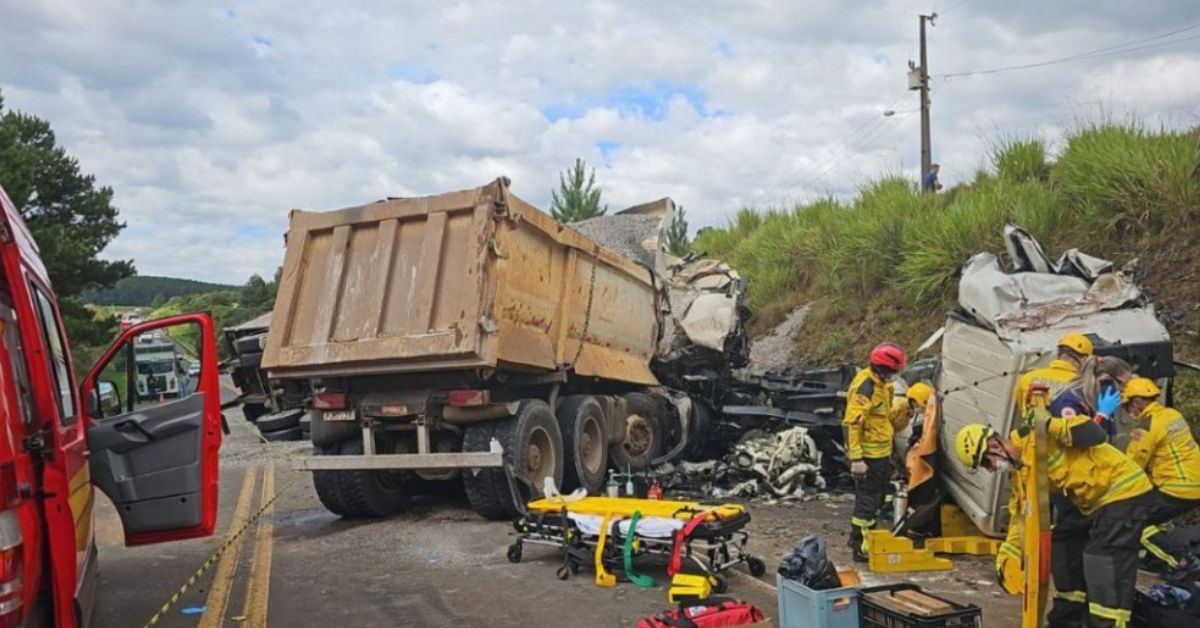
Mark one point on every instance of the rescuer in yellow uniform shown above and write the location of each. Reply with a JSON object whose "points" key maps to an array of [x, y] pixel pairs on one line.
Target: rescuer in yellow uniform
{"points": [[873, 415], [1096, 535], [1161, 443], [1073, 349]]}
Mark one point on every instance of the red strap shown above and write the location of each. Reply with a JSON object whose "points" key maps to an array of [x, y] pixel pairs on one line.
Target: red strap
{"points": [[681, 535]]}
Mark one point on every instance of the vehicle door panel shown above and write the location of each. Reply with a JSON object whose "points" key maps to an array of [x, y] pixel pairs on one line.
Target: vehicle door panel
{"points": [[148, 463], [156, 459]]}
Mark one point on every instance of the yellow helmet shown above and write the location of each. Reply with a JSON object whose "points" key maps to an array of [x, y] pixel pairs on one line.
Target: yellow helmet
{"points": [[919, 393], [1077, 342], [971, 443], [1140, 387]]}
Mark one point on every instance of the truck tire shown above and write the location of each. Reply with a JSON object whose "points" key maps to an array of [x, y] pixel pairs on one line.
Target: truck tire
{"points": [[370, 494], [253, 410], [585, 443], [643, 440], [326, 483], [479, 484], [704, 421], [279, 421], [285, 434], [533, 448]]}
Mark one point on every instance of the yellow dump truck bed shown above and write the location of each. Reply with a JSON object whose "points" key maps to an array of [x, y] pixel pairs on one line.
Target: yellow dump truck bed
{"points": [[475, 279]]}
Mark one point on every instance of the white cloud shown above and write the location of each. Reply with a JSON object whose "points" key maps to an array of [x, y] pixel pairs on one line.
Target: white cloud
{"points": [[211, 122]]}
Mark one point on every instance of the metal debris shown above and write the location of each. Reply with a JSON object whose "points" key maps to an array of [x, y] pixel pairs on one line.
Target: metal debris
{"points": [[785, 465]]}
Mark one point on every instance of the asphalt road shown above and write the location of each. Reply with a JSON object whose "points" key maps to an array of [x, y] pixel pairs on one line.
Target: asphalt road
{"points": [[438, 565]]}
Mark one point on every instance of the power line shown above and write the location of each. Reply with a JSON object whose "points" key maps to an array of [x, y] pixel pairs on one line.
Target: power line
{"points": [[953, 7], [1090, 54], [853, 140]]}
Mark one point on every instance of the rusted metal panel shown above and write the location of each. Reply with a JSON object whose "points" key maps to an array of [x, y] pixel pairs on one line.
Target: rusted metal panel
{"points": [[477, 278]]}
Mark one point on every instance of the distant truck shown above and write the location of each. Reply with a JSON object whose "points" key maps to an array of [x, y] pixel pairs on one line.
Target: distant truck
{"points": [[157, 370], [470, 337]]}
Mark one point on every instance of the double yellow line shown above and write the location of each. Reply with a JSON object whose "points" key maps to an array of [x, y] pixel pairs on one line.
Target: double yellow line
{"points": [[254, 608]]}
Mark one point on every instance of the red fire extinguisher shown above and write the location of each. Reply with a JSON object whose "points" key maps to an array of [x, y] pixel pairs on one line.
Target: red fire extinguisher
{"points": [[655, 491]]}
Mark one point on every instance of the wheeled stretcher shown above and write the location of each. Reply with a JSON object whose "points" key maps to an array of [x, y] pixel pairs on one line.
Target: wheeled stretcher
{"points": [[606, 532]]}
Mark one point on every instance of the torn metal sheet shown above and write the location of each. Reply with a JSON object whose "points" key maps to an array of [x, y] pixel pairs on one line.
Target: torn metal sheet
{"points": [[1011, 303]]}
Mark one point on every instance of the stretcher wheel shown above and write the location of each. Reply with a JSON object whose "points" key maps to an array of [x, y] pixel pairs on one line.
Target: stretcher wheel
{"points": [[514, 552], [720, 584], [756, 566]]}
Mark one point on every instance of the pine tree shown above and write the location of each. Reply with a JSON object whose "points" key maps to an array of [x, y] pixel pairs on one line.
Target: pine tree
{"points": [[72, 220], [677, 234], [577, 197]]}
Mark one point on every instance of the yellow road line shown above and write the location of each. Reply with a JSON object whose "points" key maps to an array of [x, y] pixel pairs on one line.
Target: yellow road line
{"points": [[259, 587], [222, 583]]}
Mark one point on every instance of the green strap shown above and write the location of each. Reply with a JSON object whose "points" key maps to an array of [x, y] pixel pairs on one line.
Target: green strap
{"points": [[627, 555]]}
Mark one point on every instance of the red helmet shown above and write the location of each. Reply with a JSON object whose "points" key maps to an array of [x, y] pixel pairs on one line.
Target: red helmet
{"points": [[889, 356]]}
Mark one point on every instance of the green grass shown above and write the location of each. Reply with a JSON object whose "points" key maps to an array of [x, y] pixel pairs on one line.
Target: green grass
{"points": [[888, 260]]}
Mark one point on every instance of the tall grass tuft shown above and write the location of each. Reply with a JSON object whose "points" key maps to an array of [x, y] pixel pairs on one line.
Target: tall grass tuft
{"points": [[1132, 178], [1021, 160], [894, 251]]}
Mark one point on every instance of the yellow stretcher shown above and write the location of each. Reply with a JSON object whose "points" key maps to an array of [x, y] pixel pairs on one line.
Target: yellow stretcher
{"points": [[624, 507], [712, 537]]}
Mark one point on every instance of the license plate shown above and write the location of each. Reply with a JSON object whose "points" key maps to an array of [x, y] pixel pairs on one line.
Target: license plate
{"points": [[338, 415]]}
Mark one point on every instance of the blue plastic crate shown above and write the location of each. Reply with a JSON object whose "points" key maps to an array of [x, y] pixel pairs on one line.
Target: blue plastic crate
{"points": [[802, 607]]}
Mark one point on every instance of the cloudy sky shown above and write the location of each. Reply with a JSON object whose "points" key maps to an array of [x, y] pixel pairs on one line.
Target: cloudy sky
{"points": [[212, 119]]}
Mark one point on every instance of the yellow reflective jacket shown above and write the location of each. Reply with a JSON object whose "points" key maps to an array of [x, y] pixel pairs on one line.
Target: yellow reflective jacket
{"points": [[1092, 474], [1054, 376], [873, 415], [1162, 444]]}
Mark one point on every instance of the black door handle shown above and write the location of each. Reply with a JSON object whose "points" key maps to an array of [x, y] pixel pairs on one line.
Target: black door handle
{"points": [[129, 425]]}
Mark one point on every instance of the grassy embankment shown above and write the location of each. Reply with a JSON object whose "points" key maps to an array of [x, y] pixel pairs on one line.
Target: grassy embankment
{"points": [[885, 264]]}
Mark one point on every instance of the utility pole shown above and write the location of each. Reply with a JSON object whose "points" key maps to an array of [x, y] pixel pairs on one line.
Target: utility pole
{"points": [[918, 80]]}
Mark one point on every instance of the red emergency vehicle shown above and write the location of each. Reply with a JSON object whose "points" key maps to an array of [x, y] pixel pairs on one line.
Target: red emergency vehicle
{"points": [[60, 439]]}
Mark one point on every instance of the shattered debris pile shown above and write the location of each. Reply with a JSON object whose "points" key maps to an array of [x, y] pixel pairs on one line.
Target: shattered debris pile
{"points": [[784, 465]]}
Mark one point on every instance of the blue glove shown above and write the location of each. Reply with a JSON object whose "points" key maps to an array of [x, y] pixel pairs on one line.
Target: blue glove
{"points": [[1109, 401]]}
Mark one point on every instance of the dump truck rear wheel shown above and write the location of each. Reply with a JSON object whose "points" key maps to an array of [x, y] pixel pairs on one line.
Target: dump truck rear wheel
{"points": [[478, 483], [370, 494], [643, 434], [585, 445], [325, 482], [533, 447]]}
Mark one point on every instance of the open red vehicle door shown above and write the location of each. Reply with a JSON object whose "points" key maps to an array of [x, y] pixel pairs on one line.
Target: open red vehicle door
{"points": [[154, 428]]}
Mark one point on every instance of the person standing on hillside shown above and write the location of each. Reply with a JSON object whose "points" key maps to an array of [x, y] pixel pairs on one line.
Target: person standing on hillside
{"points": [[929, 181], [873, 415]]}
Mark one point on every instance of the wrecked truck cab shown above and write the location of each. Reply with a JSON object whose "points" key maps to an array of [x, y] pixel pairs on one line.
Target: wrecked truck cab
{"points": [[1009, 321]]}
